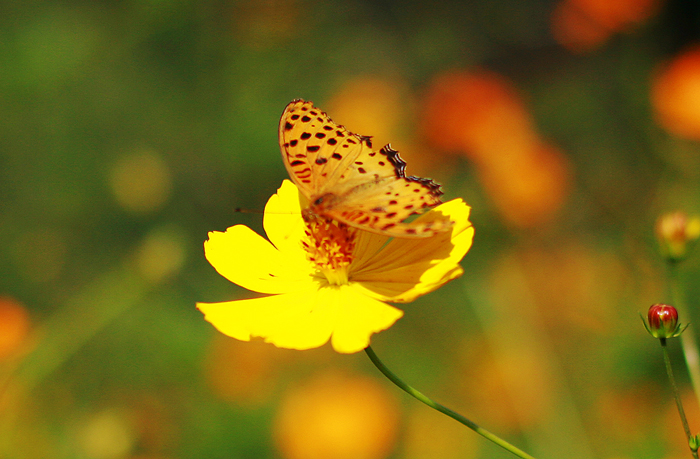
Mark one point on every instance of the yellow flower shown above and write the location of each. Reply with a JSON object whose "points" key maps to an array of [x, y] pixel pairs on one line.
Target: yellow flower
{"points": [[327, 280], [677, 234]]}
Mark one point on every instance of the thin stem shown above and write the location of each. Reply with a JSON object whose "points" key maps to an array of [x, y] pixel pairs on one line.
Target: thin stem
{"points": [[676, 394], [443, 409], [688, 341]]}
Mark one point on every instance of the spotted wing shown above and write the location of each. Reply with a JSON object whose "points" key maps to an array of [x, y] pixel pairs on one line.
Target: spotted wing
{"points": [[322, 156], [359, 186], [383, 206]]}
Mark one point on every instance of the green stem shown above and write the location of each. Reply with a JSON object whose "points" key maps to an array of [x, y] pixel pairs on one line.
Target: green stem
{"points": [[443, 409], [688, 341], [676, 394]]}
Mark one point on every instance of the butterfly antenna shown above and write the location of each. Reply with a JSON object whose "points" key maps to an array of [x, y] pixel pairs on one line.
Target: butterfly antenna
{"points": [[240, 210]]}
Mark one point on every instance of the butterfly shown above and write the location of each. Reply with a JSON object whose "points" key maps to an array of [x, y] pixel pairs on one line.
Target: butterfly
{"points": [[344, 179]]}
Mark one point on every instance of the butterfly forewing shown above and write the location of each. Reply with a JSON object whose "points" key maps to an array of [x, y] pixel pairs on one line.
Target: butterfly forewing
{"points": [[320, 155], [346, 180]]}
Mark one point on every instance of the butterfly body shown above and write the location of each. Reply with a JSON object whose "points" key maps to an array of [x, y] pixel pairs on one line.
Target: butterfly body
{"points": [[345, 179]]}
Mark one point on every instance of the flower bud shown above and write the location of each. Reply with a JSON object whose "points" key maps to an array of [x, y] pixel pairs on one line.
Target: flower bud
{"points": [[676, 233], [694, 442], [663, 321]]}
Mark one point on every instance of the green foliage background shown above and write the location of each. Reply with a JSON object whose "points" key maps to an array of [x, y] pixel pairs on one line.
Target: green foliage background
{"points": [[202, 84]]}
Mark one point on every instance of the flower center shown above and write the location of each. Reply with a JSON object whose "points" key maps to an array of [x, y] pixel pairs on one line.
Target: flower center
{"points": [[329, 245]]}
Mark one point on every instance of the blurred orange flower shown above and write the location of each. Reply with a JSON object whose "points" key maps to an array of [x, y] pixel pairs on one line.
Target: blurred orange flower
{"points": [[582, 25], [14, 326], [482, 116], [675, 95], [478, 114], [528, 189], [337, 416]]}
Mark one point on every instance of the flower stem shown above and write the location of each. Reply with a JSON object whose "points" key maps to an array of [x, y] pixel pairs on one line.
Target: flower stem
{"points": [[443, 409], [676, 394], [688, 342]]}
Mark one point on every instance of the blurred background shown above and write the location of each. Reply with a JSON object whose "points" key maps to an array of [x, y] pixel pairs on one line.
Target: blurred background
{"points": [[130, 129]]}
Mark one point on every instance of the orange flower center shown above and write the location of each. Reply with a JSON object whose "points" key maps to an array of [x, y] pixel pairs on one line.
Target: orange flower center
{"points": [[330, 245]]}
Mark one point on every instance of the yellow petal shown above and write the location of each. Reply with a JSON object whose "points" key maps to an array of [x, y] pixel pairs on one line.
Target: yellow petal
{"points": [[367, 245], [282, 221], [407, 268], [304, 320], [359, 317], [245, 258], [288, 321]]}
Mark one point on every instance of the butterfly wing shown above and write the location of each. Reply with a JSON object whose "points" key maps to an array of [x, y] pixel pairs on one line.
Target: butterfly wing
{"points": [[346, 180], [322, 156], [381, 207]]}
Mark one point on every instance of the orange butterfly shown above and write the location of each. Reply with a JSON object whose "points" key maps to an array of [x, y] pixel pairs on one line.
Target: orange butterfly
{"points": [[346, 180]]}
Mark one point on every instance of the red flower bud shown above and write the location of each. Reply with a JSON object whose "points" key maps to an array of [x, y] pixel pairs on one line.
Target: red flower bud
{"points": [[663, 320]]}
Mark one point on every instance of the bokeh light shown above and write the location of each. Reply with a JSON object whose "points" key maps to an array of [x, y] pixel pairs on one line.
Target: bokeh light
{"points": [[676, 94], [479, 114], [583, 25], [430, 434], [372, 106], [243, 373], [337, 416], [482, 116], [528, 189], [107, 435], [162, 253], [14, 326], [141, 181], [507, 390]]}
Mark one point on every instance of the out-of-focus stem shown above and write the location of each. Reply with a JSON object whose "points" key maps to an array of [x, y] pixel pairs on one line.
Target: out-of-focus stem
{"points": [[688, 341], [676, 394]]}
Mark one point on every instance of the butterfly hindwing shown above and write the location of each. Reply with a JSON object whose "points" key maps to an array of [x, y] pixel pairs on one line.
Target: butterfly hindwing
{"points": [[382, 208]]}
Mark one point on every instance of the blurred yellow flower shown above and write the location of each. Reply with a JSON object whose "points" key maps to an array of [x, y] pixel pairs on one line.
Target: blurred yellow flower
{"points": [[328, 281], [677, 233]]}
